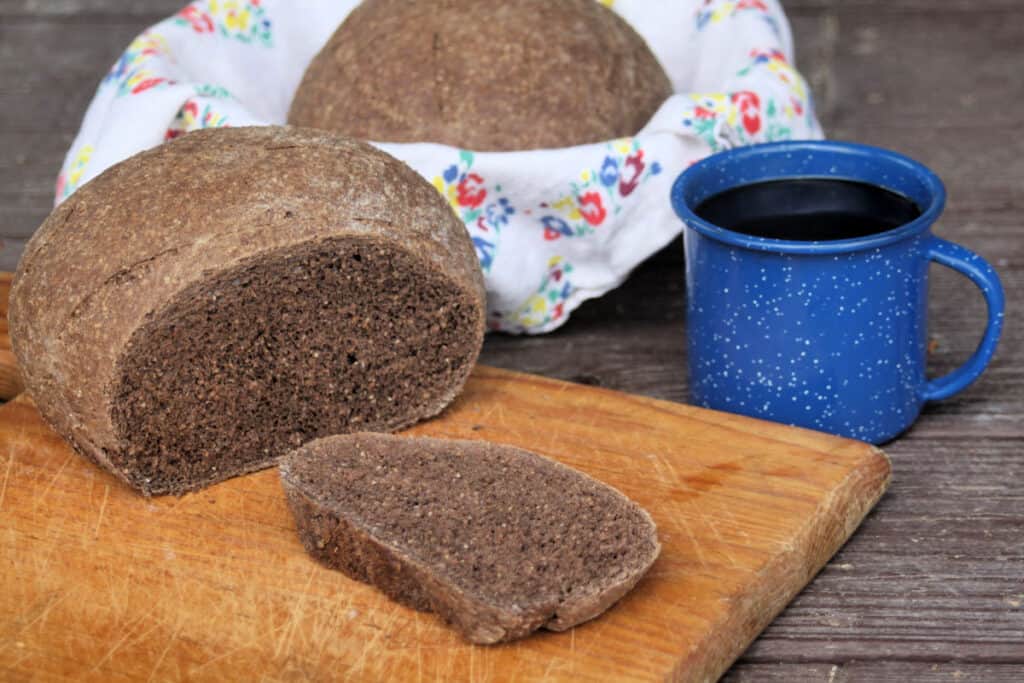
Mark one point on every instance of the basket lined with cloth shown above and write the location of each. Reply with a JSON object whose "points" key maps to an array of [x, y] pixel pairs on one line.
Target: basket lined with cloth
{"points": [[552, 227]]}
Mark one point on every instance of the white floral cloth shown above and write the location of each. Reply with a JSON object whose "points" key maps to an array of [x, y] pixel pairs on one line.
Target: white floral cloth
{"points": [[552, 228]]}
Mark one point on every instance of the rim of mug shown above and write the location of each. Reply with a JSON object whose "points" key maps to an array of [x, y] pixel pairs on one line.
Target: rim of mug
{"points": [[851, 149]]}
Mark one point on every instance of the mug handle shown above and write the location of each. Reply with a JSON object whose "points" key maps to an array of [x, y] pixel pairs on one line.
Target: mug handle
{"points": [[981, 273]]}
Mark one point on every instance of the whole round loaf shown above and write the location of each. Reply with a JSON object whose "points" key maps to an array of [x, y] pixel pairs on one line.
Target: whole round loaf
{"points": [[203, 307], [519, 74]]}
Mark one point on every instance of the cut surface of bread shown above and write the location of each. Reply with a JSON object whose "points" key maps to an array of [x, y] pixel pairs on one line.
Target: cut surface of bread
{"points": [[497, 540], [348, 333], [202, 308], [510, 75]]}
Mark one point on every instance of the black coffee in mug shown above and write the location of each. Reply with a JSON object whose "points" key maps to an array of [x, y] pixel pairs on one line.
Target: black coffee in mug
{"points": [[808, 209]]}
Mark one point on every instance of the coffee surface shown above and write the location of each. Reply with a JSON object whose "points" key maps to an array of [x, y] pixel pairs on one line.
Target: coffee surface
{"points": [[808, 209]]}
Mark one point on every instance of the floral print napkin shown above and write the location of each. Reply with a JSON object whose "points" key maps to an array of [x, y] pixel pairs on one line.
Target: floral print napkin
{"points": [[552, 228]]}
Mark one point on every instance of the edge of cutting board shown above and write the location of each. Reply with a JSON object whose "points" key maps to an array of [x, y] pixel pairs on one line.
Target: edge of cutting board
{"points": [[10, 379], [684, 637], [821, 535]]}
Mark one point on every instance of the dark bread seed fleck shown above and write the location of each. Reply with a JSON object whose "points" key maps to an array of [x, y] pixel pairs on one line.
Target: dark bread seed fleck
{"points": [[497, 540]]}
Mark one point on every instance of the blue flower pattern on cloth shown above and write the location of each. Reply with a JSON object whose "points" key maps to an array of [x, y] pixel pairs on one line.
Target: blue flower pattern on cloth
{"points": [[484, 211]]}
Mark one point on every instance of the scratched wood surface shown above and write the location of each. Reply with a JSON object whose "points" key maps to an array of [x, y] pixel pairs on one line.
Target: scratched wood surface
{"points": [[930, 588], [10, 380], [101, 584]]}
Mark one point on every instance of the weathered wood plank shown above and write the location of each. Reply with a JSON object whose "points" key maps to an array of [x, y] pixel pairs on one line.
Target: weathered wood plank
{"points": [[905, 604], [931, 588], [27, 179], [82, 11], [872, 672], [936, 569], [904, 6], [49, 72]]}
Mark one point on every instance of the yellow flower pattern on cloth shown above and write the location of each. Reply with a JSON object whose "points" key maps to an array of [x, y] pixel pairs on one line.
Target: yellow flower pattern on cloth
{"points": [[133, 72], [195, 116], [744, 116], [717, 11], [69, 182], [244, 20], [547, 305], [551, 228], [601, 191]]}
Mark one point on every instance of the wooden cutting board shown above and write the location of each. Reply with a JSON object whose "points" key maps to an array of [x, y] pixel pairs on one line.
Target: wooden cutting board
{"points": [[103, 585], [10, 379]]}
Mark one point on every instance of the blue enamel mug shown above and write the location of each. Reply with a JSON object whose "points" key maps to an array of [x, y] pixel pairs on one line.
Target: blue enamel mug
{"points": [[828, 334]]}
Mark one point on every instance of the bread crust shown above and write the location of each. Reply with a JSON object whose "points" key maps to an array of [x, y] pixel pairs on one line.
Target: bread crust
{"points": [[487, 76]]}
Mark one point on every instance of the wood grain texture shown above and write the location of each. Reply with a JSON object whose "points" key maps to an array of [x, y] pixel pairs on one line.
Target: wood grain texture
{"points": [[79, 11], [10, 379], [874, 672], [931, 587], [105, 585]]}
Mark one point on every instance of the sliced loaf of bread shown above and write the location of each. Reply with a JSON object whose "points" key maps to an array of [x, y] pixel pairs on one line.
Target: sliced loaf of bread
{"points": [[496, 540], [202, 308]]}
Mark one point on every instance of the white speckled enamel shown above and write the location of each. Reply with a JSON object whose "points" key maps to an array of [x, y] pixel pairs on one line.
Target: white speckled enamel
{"points": [[826, 335]]}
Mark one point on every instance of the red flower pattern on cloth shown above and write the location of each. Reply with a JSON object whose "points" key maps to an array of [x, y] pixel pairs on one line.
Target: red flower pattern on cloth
{"points": [[592, 209], [470, 191], [134, 71], [148, 83], [635, 165], [716, 11], [749, 105], [600, 193], [191, 117], [243, 20], [744, 117], [200, 21], [221, 62], [478, 204]]}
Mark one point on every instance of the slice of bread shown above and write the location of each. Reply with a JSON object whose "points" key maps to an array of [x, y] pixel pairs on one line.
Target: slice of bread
{"points": [[496, 540]]}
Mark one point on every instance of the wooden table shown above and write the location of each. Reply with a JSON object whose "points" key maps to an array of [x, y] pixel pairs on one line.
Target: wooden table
{"points": [[932, 587]]}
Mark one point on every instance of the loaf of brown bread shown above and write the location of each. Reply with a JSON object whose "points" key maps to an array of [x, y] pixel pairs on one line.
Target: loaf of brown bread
{"points": [[517, 74], [496, 540], [206, 306]]}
